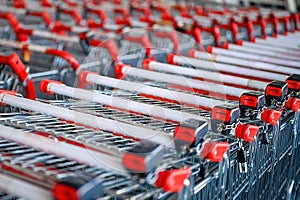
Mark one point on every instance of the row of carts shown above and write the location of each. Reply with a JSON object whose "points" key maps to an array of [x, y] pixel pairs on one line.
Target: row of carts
{"points": [[130, 99]]}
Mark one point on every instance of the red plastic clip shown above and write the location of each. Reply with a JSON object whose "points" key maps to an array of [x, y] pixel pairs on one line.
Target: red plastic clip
{"points": [[271, 116], [246, 132], [172, 180], [293, 104], [214, 151], [44, 85]]}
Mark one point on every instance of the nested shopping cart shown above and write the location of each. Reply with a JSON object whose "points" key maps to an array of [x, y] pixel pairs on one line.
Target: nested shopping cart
{"points": [[109, 120]]}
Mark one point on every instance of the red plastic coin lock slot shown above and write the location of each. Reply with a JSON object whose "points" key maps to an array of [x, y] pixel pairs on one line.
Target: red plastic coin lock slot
{"points": [[271, 116], [214, 151], [172, 180], [246, 132], [293, 104]]}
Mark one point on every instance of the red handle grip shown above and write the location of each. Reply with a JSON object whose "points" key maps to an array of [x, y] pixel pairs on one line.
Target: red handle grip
{"points": [[66, 56], [18, 67], [144, 41]]}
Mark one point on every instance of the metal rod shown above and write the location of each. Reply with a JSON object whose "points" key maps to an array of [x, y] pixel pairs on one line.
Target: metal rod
{"points": [[207, 75], [158, 92], [182, 81], [245, 63], [202, 64], [129, 105], [82, 155]]}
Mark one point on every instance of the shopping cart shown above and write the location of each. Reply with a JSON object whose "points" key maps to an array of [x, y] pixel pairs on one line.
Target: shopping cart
{"points": [[67, 131]]}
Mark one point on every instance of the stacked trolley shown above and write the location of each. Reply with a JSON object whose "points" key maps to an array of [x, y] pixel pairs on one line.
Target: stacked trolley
{"points": [[129, 108]]}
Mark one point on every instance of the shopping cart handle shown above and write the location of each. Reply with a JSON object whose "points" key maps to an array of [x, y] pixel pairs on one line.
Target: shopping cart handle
{"points": [[64, 55], [271, 116], [75, 188], [214, 151], [172, 180], [77, 17], [19, 3], [13, 22], [143, 40], [171, 59], [82, 78], [46, 3], [247, 132], [143, 158], [296, 19], [10, 92], [18, 67], [46, 18], [60, 28], [172, 36], [190, 133], [100, 13], [45, 83], [293, 103], [119, 70]]}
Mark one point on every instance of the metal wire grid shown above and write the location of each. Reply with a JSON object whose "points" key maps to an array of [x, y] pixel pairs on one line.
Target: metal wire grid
{"points": [[9, 81], [70, 131], [164, 104], [262, 158], [49, 168], [122, 189], [5, 196]]}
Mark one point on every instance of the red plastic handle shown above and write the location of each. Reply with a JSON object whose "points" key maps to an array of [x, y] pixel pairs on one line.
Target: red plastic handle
{"points": [[46, 18], [18, 67], [293, 103], [100, 13], [46, 3], [109, 45], [119, 70], [214, 151], [172, 180], [173, 37], [44, 85], [13, 22], [82, 78], [66, 56], [60, 28], [19, 3], [144, 41], [246, 132], [271, 116], [75, 14]]}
